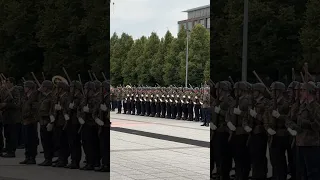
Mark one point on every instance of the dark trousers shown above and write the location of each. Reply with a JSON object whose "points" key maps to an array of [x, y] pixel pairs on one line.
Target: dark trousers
{"points": [[309, 158], [147, 104], [128, 111], [223, 155], [138, 107], [119, 106], [179, 111], [197, 108], [173, 111], [105, 146], [91, 145], [61, 141], [158, 109], [190, 111], [47, 142], [185, 111], [241, 156], [278, 158], [20, 133], [168, 106], [133, 108], [206, 114], [258, 148], [1, 138], [153, 109], [113, 105], [10, 134], [74, 141], [143, 108], [125, 107], [31, 140], [163, 109]]}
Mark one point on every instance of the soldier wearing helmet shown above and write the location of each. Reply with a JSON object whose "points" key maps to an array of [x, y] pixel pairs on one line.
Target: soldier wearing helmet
{"points": [[89, 126], [255, 126], [45, 101], [206, 113], [58, 120], [279, 138], [222, 151], [29, 111], [238, 136], [119, 99], [102, 118], [306, 130], [10, 106], [73, 124]]}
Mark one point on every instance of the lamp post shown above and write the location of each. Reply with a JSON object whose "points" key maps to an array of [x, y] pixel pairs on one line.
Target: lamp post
{"points": [[187, 54], [245, 40]]}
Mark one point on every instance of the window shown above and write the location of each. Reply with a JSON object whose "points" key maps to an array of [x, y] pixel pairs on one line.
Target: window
{"points": [[189, 25], [208, 23], [202, 22]]}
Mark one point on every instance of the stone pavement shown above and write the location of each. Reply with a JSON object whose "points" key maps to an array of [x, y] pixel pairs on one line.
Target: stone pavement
{"points": [[152, 148]]}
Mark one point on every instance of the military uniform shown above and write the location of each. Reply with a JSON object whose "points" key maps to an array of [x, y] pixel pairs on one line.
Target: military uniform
{"points": [[29, 113], [119, 100], [58, 118], [10, 106], [44, 112], [89, 127]]}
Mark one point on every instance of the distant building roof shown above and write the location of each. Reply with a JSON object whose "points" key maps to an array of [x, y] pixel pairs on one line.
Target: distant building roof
{"points": [[197, 8]]}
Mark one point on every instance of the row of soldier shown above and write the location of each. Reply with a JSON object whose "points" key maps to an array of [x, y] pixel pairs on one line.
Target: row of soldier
{"points": [[70, 117], [164, 102], [248, 118]]}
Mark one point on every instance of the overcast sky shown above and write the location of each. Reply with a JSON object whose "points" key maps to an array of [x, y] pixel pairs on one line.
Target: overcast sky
{"points": [[141, 17]]}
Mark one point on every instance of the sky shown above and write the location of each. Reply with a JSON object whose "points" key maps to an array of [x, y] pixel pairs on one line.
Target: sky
{"points": [[142, 17]]}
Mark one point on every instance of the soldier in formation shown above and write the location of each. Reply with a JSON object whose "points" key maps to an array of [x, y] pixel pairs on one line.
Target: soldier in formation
{"points": [[70, 116], [251, 122], [191, 104]]}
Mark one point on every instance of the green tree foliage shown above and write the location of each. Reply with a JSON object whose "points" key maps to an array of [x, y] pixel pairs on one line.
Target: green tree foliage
{"points": [[153, 61], [44, 36]]}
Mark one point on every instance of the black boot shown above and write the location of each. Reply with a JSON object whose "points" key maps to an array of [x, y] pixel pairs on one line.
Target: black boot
{"points": [[9, 155], [31, 161], [102, 169], [25, 161], [46, 163]]}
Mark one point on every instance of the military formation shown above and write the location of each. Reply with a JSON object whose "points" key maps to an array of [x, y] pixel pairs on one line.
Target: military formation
{"points": [[250, 118], [191, 104], [70, 117]]}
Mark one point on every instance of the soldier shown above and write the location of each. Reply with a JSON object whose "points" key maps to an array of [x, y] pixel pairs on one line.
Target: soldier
{"points": [[168, 106], [306, 131], [178, 107], [190, 106], [29, 112], [158, 105], [58, 119], [163, 106], [10, 108], [294, 96], [113, 100], [45, 103], [142, 103], [74, 138], [222, 154], [185, 107], [206, 113], [152, 105], [102, 119], [147, 105], [173, 107], [275, 118], [138, 103], [119, 100], [133, 104], [197, 106], [258, 138], [89, 127], [238, 137]]}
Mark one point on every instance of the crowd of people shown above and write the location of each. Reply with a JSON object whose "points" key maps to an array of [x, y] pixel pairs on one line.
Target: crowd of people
{"points": [[191, 104], [68, 116], [249, 118]]}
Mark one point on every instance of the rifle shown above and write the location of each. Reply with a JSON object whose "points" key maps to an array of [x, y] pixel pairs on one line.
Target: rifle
{"points": [[72, 97], [237, 104], [86, 102]]}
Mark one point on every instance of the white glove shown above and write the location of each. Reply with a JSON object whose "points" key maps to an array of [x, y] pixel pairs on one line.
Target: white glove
{"points": [[237, 111], [66, 117], [52, 119], [275, 114], [57, 107], [86, 108], [292, 132], [81, 121], [247, 129], [103, 107], [71, 105], [253, 113], [212, 126], [49, 127], [231, 126], [217, 109], [271, 131], [99, 122]]}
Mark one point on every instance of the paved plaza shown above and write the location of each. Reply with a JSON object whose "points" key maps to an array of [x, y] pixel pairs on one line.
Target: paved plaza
{"points": [[142, 148]]}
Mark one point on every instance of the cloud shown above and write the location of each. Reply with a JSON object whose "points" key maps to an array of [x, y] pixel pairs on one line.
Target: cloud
{"points": [[141, 17]]}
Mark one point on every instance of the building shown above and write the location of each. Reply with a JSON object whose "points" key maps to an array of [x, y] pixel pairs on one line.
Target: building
{"points": [[199, 15]]}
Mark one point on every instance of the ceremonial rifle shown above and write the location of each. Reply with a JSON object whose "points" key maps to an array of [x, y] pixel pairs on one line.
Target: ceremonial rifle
{"points": [[72, 97]]}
